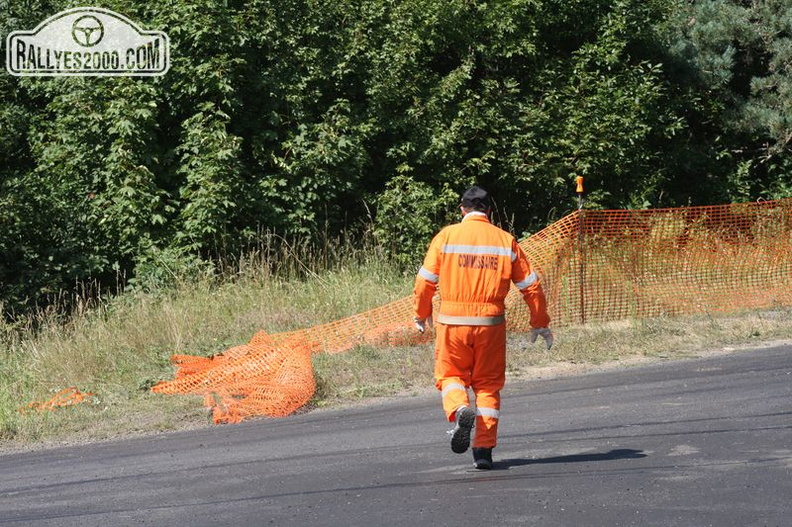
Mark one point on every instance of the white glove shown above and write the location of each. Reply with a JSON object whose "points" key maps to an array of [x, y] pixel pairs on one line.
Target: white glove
{"points": [[545, 333], [422, 323]]}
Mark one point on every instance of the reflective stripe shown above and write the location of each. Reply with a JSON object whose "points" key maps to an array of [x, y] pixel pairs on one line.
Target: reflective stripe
{"points": [[454, 320], [492, 250], [488, 412], [451, 386], [427, 275], [529, 280]]}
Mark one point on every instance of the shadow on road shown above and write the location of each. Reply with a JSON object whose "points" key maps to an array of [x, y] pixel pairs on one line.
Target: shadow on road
{"points": [[613, 455]]}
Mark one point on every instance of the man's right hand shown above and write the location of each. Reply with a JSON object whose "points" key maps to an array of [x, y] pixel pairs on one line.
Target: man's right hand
{"points": [[422, 323]]}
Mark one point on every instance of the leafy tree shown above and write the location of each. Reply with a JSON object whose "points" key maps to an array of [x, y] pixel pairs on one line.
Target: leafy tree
{"points": [[297, 116], [731, 62], [409, 213]]}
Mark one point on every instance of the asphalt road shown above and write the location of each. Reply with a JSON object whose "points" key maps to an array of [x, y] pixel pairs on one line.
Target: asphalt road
{"points": [[686, 443]]}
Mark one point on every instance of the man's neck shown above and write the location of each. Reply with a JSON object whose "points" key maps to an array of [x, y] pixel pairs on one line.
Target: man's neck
{"points": [[474, 213]]}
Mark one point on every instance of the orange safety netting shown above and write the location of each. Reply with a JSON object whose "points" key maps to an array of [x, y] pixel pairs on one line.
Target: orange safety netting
{"points": [[595, 266], [66, 397]]}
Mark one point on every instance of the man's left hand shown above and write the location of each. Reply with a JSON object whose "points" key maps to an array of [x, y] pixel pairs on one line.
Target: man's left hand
{"points": [[545, 333]]}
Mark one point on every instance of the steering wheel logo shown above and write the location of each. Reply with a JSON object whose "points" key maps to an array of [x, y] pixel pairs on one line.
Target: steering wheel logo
{"points": [[87, 31]]}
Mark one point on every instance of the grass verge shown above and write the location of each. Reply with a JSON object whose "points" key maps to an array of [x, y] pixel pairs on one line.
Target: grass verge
{"points": [[371, 372], [120, 350]]}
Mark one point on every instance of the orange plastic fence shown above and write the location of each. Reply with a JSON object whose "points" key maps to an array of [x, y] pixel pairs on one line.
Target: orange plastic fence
{"points": [[66, 397], [595, 265]]}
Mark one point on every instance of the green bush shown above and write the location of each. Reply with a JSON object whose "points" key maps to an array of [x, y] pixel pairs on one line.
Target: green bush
{"points": [[409, 213], [163, 269]]}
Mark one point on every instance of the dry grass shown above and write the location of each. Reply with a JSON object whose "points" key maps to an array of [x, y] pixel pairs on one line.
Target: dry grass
{"points": [[121, 349], [371, 372]]}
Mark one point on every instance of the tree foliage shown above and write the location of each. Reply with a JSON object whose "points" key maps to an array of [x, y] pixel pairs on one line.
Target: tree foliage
{"points": [[731, 65], [318, 116]]}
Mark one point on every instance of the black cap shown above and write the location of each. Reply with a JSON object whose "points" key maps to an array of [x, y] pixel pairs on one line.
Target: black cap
{"points": [[476, 198]]}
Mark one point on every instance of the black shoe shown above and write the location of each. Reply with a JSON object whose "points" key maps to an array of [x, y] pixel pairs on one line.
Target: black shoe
{"points": [[482, 458], [460, 436]]}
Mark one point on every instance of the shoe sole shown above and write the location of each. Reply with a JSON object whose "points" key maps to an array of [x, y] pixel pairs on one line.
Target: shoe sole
{"points": [[483, 464], [460, 438]]}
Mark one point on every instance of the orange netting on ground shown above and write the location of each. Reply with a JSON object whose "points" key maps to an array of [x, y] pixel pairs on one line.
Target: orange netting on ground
{"points": [[66, 397], [595, 266]]}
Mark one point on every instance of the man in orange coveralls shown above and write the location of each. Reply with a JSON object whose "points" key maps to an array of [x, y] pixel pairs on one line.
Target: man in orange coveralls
{"points": [[474, 264]]}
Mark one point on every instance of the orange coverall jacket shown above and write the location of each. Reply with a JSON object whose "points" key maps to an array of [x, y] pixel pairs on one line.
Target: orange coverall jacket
{"points": [[474, 263]]}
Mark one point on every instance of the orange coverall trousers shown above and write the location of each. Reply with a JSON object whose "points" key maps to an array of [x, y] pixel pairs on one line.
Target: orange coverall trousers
{"points": [[472, 356]]}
